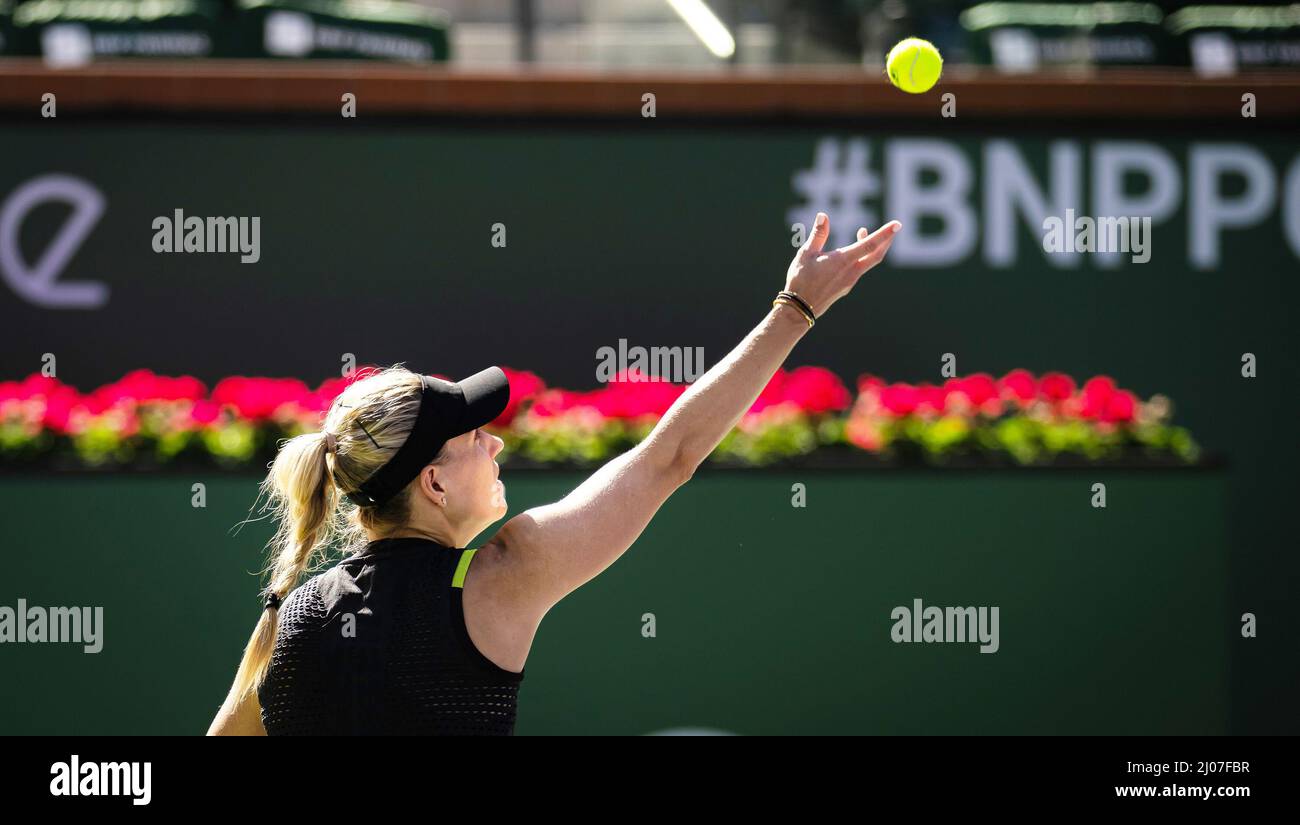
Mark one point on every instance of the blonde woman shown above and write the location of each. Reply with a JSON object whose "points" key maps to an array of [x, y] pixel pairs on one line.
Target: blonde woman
{"points": [[416, 634]]}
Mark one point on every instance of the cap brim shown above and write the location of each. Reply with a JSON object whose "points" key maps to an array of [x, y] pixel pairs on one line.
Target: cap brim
{"points": [[486, 395]]}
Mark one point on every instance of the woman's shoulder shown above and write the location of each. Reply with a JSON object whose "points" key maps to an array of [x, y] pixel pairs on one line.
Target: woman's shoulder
{"points": [[305, 597]]}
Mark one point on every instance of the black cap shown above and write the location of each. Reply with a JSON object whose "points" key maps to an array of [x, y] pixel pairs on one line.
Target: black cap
{"points": [[447, 409]]}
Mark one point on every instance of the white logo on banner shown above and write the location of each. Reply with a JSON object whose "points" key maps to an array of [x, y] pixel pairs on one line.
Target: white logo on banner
{"points": [[67, 44], [289, 34], [38, 283], [977, 199]]}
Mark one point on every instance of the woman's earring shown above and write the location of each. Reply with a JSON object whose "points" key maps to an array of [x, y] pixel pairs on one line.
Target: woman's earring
{"points": [[444, 501]]}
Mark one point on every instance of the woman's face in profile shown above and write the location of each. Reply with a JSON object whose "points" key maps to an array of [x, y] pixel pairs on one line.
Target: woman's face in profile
{"points": [[475, 494]]}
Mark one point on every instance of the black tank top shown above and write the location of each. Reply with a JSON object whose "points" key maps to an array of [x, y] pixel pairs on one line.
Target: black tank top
{"points": [[377, 645]]}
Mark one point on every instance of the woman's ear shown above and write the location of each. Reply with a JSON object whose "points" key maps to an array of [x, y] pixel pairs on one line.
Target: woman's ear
{"points": [[430, 486]]}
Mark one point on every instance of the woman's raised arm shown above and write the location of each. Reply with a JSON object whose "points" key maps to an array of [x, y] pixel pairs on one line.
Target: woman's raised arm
{"points": [[547, 552]]}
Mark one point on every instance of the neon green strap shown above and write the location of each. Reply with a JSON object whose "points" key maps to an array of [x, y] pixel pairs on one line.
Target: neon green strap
{"points": [[462, 568]]}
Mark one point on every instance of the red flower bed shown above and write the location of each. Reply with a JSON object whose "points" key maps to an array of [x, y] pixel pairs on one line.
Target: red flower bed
{"points": [[148, 419]]}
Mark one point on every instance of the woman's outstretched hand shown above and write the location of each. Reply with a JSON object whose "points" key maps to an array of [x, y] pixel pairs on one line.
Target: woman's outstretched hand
{"points": [[823, 277]]}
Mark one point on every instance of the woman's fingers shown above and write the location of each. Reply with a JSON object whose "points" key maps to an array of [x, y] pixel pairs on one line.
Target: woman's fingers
{"points": [[821, 231], [877, 250], [869, 244]]}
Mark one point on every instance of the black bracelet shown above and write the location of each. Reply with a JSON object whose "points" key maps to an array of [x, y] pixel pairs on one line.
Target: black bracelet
{"points": [[800, 301]]}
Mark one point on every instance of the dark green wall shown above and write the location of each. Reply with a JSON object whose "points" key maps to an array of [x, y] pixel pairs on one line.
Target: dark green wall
{"points": [[769, 618]]}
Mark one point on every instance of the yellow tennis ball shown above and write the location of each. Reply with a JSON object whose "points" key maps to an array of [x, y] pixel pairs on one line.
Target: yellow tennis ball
{"points": [[914, 65]]}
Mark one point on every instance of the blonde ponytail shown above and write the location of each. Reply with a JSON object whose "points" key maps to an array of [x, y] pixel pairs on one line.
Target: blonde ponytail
{"points": [[365, 426], [300, 493]]}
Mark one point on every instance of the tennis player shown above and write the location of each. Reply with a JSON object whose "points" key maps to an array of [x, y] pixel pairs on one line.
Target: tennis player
{"points": [[414, 633]]}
